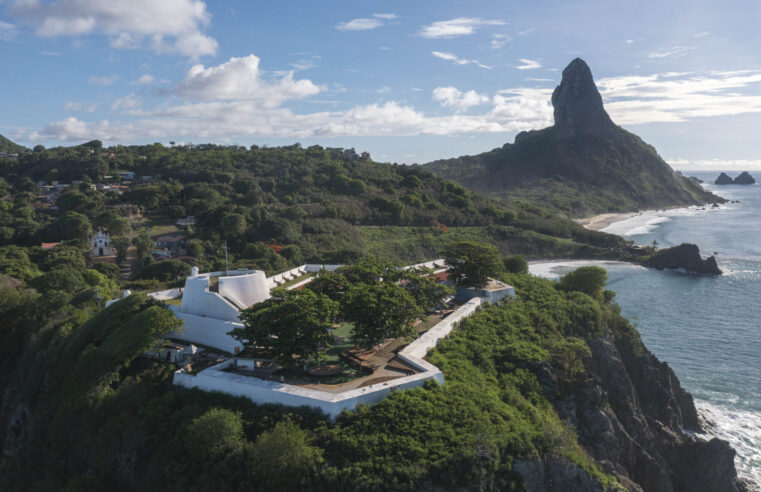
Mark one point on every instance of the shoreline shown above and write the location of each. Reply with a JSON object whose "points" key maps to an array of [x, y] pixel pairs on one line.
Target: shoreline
{"points": [[601, 221]]}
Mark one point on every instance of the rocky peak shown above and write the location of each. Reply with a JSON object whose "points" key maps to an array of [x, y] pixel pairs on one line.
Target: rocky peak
{"points": [[578, 105]]}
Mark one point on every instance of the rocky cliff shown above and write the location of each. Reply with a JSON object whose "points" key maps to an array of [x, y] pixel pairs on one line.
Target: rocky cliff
{"points": [[583, 164], [635, 419]]}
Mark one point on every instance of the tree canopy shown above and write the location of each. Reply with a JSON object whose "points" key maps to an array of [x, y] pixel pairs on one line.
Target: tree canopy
{"points": [[472, 263], [290, 323]]}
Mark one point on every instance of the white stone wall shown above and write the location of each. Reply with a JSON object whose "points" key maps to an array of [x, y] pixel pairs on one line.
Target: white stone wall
{"points": [[206, 331], [262, 391], [245, 290], [196, 299]]}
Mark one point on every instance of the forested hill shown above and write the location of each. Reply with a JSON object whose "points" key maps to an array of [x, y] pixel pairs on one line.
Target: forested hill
{"points": [[322, 204], [581, 165], [10, 147]]}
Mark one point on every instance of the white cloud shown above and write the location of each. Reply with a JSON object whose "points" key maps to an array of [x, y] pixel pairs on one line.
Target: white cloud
{"points": [[714, 164], [8, 31], [453, 98], [527, 64], [104, 81], [700, 34], [361, 24], [629, 41], [676, 50], [173, 26], [145, 79], [462, 26], [366, 23], [456, 60], [129, 102], [680, 96], [384, 90], [240, 79], [499, 40], [80, 107]]}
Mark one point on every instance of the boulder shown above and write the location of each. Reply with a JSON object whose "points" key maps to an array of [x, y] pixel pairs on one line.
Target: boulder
{"points": [[744, 179], [724, 179], [686, 257]]}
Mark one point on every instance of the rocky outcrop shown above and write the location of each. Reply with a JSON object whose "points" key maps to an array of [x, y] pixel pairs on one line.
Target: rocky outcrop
{"points": [[582, 165], [744, 179], [631, 413], [554, 473], [578, 105], [683, 257]]}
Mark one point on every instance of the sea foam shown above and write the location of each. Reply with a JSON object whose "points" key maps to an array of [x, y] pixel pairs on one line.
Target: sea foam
{"points": [[742, 429]]}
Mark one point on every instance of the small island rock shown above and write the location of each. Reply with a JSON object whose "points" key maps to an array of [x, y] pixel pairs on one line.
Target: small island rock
{"points": [[744, 179], [724, 179], [685, 256]]}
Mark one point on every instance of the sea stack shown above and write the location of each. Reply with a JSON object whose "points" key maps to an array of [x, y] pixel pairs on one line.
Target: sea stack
{"points": [[723, 179], [683, 257], [744, 179], [578, 105]]}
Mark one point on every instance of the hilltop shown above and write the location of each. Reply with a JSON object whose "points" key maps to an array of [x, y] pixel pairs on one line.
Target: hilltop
{"points": [[583, 164], [10, 147]]}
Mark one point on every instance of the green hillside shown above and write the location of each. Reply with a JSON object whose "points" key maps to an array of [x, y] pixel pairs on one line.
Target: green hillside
{"points": [[280, 206], [10, 147]]}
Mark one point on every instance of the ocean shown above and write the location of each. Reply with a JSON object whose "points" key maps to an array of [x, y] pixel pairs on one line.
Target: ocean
{"points": [[708, 329]]}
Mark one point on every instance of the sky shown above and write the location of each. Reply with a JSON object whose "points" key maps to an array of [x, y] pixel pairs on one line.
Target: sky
{"points": [[407, 81]]}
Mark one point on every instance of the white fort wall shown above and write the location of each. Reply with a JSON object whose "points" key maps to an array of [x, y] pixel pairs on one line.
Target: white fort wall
{"points": [[263, 391], [206, 331]]}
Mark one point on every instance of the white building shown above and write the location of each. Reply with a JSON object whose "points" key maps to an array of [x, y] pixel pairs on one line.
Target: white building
{"points": [[210, 312], [101, 245]]}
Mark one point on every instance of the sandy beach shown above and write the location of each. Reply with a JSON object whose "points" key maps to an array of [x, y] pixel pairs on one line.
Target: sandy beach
{"points": [[598, 222]]}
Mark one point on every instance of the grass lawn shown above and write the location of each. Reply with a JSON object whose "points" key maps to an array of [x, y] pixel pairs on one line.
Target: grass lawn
{"points": [[295, 281], [173, 302]]}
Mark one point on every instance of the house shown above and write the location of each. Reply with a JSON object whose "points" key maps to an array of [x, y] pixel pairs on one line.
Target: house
{"points": [[101, 245], [47, 246], [176, 243], [125, 175]]}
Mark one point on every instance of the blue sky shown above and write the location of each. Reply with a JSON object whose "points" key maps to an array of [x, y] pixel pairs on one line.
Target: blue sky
{"points": [[408, 81]]}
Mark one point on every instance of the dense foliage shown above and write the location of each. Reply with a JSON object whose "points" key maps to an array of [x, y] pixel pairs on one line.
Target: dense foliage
{"points": [[273, 207], [111, 419]]}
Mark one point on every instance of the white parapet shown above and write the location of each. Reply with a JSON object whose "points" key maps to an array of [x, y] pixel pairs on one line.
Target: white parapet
{"points": [[245, 290], [206, 331], [198, 300]]}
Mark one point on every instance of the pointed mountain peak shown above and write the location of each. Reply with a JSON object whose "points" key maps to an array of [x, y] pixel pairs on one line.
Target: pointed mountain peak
{"points": [[578, 104]]}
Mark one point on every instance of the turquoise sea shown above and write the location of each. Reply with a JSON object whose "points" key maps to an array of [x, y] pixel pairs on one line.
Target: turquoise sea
{"points": [[708, 329]]}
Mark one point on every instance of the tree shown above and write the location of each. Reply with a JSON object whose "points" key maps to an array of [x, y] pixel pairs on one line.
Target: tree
{"points": [[428, 294], [143, 244], [166, 270], [121, 244], [282, 458], [379, 311], [590, 280], [73, 225], [516, 264], [290, 323], [472, 263], [233, 225]]}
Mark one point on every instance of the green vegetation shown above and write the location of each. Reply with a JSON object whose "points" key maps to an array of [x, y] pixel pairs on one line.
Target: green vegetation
{"points": [[472, 263], [112, 417], [515, 264], [275, 207], [292, 326]]}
